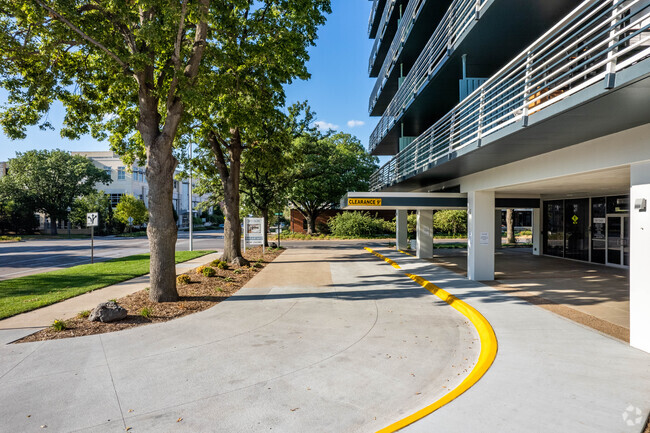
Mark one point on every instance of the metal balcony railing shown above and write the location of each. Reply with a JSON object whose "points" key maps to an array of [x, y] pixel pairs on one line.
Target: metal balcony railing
{"points": [[409, 17], [459, 16], [373, 12], [383, 24], [589, 46]]}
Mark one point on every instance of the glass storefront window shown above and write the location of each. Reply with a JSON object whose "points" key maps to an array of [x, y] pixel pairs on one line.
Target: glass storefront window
{"points": [[618, 204], [554, 228], [576, 227], [598, 229]]}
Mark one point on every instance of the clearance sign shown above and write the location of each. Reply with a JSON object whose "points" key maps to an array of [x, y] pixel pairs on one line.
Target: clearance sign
{"points": [[364, 202]]}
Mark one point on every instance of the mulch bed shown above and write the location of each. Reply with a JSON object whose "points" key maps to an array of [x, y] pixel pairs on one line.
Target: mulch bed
{"points": [[200, 294]]}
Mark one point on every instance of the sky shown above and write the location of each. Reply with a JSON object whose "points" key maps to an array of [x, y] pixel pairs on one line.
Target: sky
{"points": [[337, 92]]}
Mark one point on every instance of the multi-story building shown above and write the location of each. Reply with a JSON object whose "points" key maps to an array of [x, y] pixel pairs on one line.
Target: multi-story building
{"points": [[132, 180], [539, 104]]}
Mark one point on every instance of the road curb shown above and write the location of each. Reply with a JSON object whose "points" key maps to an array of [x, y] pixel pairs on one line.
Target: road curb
{"points": [[489, 347]]}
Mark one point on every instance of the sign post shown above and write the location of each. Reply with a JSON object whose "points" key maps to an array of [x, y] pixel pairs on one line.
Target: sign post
{"points": [[92, 221], [253, 232], [130, 220], [279, 215]]}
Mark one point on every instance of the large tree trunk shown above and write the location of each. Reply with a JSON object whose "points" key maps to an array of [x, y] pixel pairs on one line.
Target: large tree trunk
{"points": [[510, 226], [230, 180], [161, 229], [53, 228], [311, 222]]}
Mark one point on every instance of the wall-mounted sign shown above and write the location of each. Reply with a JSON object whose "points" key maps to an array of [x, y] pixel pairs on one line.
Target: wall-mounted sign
{"points": [[364, 202]]}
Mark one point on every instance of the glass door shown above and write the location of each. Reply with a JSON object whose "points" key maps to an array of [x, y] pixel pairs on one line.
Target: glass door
{"points": [[618, 240]]}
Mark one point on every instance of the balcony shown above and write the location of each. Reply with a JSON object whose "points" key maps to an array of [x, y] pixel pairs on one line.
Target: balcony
{"points": [[490, 32], [454, 21], [385, 34], [558, 92], [373, 20]]}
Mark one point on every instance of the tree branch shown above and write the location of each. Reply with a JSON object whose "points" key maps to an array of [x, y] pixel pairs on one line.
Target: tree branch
{"points": [[77, 30], [215, 146]]}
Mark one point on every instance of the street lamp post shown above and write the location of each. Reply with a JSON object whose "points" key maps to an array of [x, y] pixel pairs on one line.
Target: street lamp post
{"points": [[189, 206], [68, 221]]}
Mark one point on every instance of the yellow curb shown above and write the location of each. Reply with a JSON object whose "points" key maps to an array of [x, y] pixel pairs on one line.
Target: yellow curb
{"points": [[408, 254], [393, 264], [486, 356]]}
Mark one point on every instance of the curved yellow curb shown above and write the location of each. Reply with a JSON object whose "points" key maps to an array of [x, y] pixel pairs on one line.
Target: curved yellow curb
{"points": [[393, 264], [485, 359]]}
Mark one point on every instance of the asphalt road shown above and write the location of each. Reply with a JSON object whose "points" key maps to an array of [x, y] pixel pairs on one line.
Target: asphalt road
{"points": [[35, 256]]}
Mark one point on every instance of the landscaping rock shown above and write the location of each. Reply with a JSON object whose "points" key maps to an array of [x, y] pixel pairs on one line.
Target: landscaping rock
{"points": [[107, 312]]}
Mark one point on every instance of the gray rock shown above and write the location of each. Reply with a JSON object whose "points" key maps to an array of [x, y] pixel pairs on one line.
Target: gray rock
{"points": [[107, 312]]}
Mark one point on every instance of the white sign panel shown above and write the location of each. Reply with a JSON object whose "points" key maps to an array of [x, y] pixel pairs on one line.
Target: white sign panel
{"points": [[253, 231], [485, 238], [92, 219]]}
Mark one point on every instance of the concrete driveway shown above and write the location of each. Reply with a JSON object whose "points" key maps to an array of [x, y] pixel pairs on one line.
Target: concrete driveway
{"points": [[325, 339]]}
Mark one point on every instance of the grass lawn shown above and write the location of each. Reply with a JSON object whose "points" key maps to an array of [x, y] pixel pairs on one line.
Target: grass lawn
{"points": [[33, 291]]}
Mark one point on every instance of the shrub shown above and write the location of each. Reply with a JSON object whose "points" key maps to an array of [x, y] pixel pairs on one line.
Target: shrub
{"points": [[208, 272], [200, 269], [145, 312], [450, 221], [356, 224], [219, 264], [83, 314], [59, 325], [183, 279], [228, 280], [238, 271]]}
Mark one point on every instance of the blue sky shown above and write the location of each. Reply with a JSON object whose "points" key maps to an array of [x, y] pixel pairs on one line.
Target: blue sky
{"points": [[338, 90]]}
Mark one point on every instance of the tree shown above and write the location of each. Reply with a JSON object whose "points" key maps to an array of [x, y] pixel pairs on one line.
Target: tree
{"points": [[123, 69], [269, 170], [96, 201], [331, 166], [510, 226], [51, 180], [131, 207], [16, 215], [450, 221], [258, 46]]}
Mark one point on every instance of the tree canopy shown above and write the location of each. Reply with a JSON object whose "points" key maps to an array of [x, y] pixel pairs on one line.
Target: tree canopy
{"points": [[131, 207], [148, 75], [51, 180], [331, 166]]}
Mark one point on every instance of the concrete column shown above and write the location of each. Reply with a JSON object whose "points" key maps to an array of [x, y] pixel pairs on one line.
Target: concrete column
{"points": [[497, 228], [480, 234], [424, 248], [640, 257], [401, 230], [537, 232]]}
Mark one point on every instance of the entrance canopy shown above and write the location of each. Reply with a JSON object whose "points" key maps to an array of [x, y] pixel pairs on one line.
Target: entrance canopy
{"points": [[403, 200]]}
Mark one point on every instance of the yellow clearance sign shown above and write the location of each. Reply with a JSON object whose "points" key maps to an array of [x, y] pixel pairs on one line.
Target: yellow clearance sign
{"points": [[364, 202]]}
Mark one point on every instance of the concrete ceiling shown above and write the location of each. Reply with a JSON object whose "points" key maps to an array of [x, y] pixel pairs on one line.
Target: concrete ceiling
{"points": [[602, 182]]}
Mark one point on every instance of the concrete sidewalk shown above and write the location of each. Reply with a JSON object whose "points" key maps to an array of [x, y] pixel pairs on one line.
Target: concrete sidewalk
{"points": [[43, 317], [328, 338], [324, 339]]}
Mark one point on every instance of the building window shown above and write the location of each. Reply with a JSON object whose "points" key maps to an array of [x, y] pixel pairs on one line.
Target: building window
{"points": [[115, 199], [121, 173], [107, 170]]}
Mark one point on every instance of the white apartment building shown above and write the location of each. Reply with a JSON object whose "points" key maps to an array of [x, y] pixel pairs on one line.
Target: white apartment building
{"points": [[132, 180]]}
